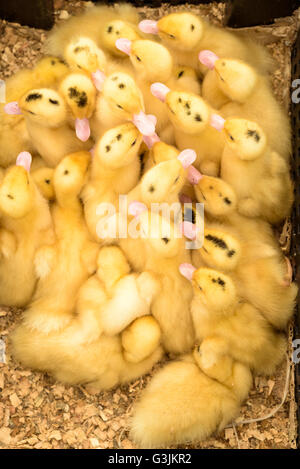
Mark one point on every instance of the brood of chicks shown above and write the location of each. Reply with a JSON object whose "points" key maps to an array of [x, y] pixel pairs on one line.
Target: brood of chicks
{"points": [[118, 108]]}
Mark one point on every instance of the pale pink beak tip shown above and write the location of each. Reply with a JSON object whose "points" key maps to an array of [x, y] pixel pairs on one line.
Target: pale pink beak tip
{"points": [[208, 58], [148, 26]]}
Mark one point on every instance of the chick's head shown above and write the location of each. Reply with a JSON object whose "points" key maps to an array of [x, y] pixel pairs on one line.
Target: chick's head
{"points": [[51, 69], [218, 197], [214, 289], [84, 54], [220, 250], [43, 178], [118, 147], [71, 173], [44, 107], [236, 79], [152, 61], [161, 234], [80, 94], [187, 112], [245, 138], [181, 31], [114, 30], [161, 181], [17, 193], [123, 95]]}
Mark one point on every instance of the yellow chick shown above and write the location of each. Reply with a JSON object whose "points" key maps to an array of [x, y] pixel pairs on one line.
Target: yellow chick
{"points": [[89, 349], [191, 118], [25, 226], [80, 95], [249, 96], [155, 244], [102, 24], [182, 404], [43, 178], [119, 101], [259, 176], [115, 170], [46, 119], [186, 34], [152, 62], [14, 137], [63, 267], [222, 318]]}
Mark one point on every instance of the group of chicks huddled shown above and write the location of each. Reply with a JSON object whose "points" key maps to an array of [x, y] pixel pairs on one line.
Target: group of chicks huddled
{"points": [[187, 115]]}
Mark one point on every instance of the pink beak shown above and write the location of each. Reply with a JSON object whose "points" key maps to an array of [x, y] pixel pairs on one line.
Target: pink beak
{"points": [[82, 127]]}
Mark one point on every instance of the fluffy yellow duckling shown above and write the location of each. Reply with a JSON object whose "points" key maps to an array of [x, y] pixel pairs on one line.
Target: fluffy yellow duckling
{"points": [[120, 101], [222, 319], [14, 137], [249, 96], [46, 119], [64, 267], [89, 350], [83, 54], [152, 62], [261, 272], [182, 403], [25, 226], [155, 244], [115, 170], [43, 178], [191, 118], [80, 94], [187, 34], [102, 24], [259, 176]]}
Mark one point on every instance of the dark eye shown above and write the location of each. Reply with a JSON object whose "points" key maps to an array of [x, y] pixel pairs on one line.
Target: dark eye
{"points": [[198, 117], [133, 143], [47, 181], [192, 27], [9, 196], [53, 101], [171, 36], [138, 58], [151, 189], [165, 240], [109, 29], [119, 136], [180, 73], [107, 148], [231, 138], [121, 85], [120, 107], [66, 171], [176, 179], [227, 201], [179, 100]]}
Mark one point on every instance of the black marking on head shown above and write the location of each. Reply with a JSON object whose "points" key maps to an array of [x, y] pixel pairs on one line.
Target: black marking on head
{"points": [[114, 78], [121, 85], [107, 148], [198, 117], [10, 196], [119, 136], [227, 201], [151, 188], [221, 282], [217, 241], [142, 162], [52, 62], [53, 101], [80, 97], [180, 75], [33, 97], [192, 27], [189, 215], [120, 107], [231, 253], [66, 171], [80, 49], [187, 105], [110, 29], [188, 113], [254, 134], [179, 100], [47, 181], [165, 240], [231, 137]]}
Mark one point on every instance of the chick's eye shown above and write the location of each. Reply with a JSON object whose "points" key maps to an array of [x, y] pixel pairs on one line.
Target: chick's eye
{"points": [[120, 107], [171, 36], [231, 138], [66, 172], [138, 58], [165, 240]]}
